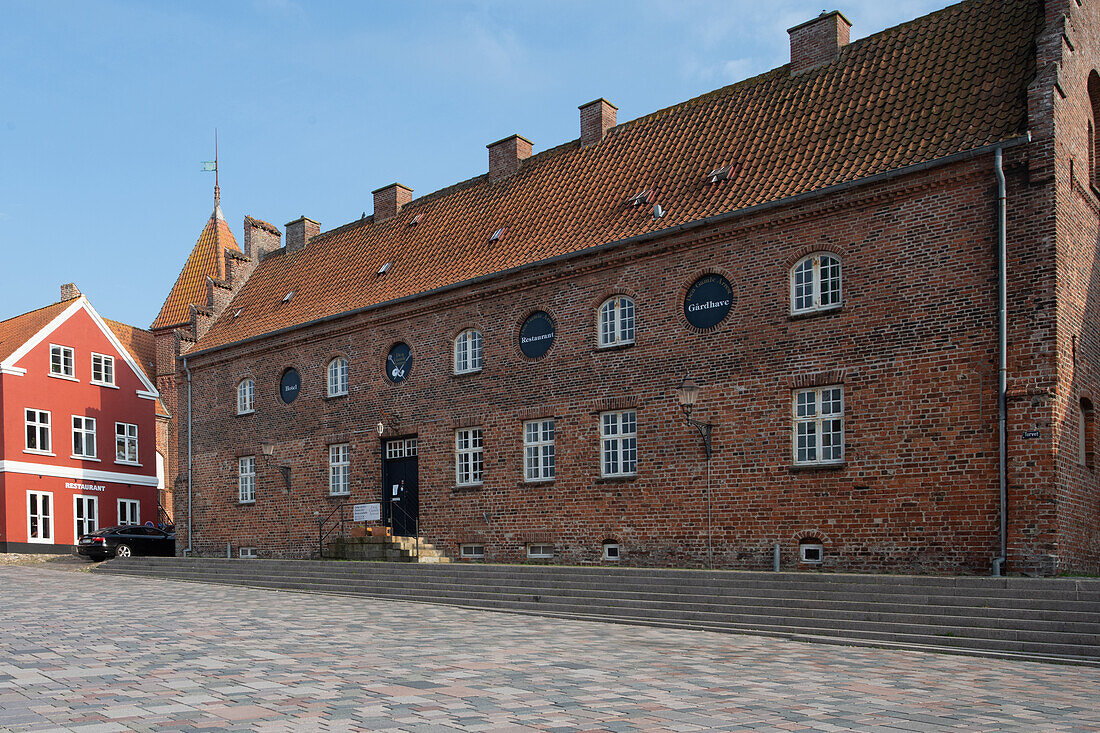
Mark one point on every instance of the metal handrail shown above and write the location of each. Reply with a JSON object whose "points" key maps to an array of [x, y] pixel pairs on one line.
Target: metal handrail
{"points": [[321, 534]]}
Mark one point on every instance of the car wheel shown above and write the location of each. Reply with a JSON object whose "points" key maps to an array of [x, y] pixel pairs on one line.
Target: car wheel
{"points": [[123, 551]]}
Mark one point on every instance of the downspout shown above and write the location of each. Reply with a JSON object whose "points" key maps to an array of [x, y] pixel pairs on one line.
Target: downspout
{"points": [[187, 552], [1002, 348]]}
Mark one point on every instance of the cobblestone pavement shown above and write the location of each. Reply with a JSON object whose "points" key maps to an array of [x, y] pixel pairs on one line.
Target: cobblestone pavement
{"points": [[86, 652]]}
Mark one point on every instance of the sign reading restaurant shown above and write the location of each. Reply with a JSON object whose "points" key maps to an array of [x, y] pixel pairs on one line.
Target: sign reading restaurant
{"points": [[536, 335], [84, 487], [708, 301]]}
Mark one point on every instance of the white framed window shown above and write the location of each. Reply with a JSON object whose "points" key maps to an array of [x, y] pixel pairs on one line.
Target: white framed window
{"points": [[540, 552], [247, 553], [472, 552], [126, 443], [339, 469], [611, 551], [468, 457], [40, 517], [619, 443], [103, 370], [538, 450], [815, 283], [468, 351], [246, 479], [338, 377], [400, 448], [818, 415], [85, 515], [811, 553], [129, 511], [62, 362], [83, 437], [617, 321], [38, 431], [246, 397]]}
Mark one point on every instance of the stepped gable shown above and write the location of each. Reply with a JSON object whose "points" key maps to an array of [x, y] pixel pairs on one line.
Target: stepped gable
{"points": [[15, 331], [206, 260], [948, 82]]}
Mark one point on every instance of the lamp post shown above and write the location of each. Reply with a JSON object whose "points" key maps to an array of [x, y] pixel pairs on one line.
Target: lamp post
{"points": [[688, 394], [268, 448]]}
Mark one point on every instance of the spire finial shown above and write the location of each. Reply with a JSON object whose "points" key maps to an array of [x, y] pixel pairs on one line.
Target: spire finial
{"points": [[217, 188]]}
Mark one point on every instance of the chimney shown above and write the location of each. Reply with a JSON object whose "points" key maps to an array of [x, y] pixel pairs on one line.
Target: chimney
{"points": [[299, 232], [818, 41], [388, 200], [69, 291], [260, 238], [597, 117], [506, 155]]}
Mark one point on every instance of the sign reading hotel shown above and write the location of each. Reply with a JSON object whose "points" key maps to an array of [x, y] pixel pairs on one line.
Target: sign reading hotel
{"points": [[289, 385], [708, 301], [536, 335]]}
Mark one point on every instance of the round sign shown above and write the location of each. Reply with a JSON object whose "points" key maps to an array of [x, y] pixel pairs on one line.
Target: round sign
{"points": [[289, 385], [399, 363], [708, 301], [536, 335]]}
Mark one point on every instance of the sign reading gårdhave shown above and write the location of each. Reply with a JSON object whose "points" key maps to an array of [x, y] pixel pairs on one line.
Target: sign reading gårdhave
{"points": [[536, 335], [708, 301], [289, 385]]}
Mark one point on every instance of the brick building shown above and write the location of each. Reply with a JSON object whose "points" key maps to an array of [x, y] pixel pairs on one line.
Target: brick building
{"points": [[818, 247]]}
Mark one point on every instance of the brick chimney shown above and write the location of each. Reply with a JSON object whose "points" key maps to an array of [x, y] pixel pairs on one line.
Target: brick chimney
{"points": [[818, 41], [69, 291], [260, 238], [506, 155], [597, 117], [299, 232], [388, 200]]}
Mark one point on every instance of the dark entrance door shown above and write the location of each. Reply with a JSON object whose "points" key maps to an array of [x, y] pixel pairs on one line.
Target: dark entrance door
{"points": [[400, 488]]}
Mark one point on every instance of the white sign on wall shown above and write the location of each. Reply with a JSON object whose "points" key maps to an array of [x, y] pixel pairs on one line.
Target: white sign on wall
{"points": [[366, 512]]}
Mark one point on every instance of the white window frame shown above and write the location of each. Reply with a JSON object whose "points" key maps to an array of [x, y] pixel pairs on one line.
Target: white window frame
{"points": [[106, 368], [809, 421], [612, 551], [469, 551], [339, 469], [129, 512], [469, 457], [87, 438], [539, 451], [91, 524], [246, 480], [66, 357], [129, 438], [468, 352], [802, 547], [247, 553], [337, 377], [616, 322], [619, 443], [538, 551], [246, 396], [400, 448], [40, 429], [817, 299], [45, 518]]}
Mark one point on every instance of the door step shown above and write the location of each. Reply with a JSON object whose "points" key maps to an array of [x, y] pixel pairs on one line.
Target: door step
{"points": [[388, 549]]}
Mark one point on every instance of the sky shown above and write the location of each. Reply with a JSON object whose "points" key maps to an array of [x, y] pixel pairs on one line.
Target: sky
{"points": [[108, 109]]}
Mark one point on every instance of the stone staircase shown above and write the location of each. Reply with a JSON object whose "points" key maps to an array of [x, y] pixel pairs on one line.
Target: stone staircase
{"points": [[1039, 619], [391, 549]]}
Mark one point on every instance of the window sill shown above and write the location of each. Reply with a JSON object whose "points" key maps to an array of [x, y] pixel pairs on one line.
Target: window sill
{"points": [[537, 483], [613, 347], [246, 503], [343, 495], [802, 315], [127, 463], [62, 376], [809, 467], [467, 373], [85, 458], [246, 412], [617, 479], [32, 452], [332, 397], [104, 384], [467, 489]]}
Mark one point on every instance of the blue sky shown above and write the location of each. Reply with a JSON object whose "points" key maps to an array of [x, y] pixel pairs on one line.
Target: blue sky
{"points": [[107, 110]]}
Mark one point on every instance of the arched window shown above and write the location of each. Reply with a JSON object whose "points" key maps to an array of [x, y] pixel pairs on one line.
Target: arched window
{"points": [[617, 321], [815, 283], [468, 351], [338, 377], [246, 397], [1085, 435]]}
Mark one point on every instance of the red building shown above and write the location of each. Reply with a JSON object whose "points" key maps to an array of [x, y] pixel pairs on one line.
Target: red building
{"points": [[78, 447]]}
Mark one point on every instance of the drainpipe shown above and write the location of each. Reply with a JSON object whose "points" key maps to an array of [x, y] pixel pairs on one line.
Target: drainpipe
{"points": [[1002, 348], [187, 552]]}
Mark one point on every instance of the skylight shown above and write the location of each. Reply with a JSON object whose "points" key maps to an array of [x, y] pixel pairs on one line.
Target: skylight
{"points": [[385, 268], [718, 174], [288, 296], [416, 219], [237, 314], [497, 235]]}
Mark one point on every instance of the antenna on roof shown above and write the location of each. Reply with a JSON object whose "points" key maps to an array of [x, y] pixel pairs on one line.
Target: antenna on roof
{"points": [[212, 165]]}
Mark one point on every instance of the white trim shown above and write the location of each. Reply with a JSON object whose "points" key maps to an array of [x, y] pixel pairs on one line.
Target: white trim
{"points": [[148, 395], [43, 332], [50, 515], [51, 375], [75, 457], [95, 503], [118, 511], [17, 371], [30, 452], [91, 474], [102, 383]]}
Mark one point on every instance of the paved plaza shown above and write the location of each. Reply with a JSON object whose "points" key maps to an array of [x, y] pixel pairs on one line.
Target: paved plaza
{"points": [[86, 652]]}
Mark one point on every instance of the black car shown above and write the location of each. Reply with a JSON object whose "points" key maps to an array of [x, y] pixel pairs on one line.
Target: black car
{"points": [[127, 540]]}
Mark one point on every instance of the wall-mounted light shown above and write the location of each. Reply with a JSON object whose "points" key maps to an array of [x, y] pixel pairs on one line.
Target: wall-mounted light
{"points": [[268, 447], [381, 429]]}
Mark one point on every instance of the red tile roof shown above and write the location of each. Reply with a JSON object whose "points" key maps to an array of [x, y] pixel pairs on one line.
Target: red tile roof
{"points": [[951, 81], [206, 260], [17, 330]]}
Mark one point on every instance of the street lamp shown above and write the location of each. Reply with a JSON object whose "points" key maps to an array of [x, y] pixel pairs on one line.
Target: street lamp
{"points": [[688, 394]]}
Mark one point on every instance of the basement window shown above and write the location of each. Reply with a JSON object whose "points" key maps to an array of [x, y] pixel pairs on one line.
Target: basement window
{"points": [[288, 296], [247, 553], [472, 552], [810, 552], [611, 551], [540, 552]]}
